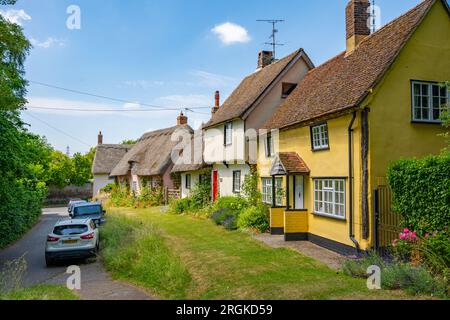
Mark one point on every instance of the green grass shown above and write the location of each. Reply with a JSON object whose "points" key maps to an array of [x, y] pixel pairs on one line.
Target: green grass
{"points": [[41, 292], [180, 257]]}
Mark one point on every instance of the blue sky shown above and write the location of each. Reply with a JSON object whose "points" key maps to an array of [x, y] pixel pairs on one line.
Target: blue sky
{"points": [[170, 53]]}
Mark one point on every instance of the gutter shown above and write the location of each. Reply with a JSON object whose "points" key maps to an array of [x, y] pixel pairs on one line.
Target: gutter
{"points": [[350, 183]]}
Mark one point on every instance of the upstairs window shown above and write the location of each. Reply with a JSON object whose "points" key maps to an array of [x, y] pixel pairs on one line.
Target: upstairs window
{"points": [[228, 133], [319, 137], [429, 101], [269, 146], [237, 181], [287, 89]]}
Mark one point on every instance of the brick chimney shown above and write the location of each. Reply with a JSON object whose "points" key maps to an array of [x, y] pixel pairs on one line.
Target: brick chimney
{"points": [[264, 58], [100, 138], [357, 17], [216, 102], [182, 119]]}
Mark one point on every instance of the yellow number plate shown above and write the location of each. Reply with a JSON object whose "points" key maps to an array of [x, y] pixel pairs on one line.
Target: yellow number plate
{"points": [[70, 241]]}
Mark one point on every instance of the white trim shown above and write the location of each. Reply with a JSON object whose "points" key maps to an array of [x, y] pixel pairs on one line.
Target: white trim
{"points": [[319, 138], [430, 97]]}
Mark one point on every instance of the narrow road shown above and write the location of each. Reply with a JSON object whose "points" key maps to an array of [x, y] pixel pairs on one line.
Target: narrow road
{"points": [[96, 283]]}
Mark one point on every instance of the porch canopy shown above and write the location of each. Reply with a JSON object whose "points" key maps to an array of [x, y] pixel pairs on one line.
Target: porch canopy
{"points": [[287, 164]]}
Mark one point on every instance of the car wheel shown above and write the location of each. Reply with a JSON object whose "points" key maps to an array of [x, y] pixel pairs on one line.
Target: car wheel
{"points": [[48, 261], [97, 248]]}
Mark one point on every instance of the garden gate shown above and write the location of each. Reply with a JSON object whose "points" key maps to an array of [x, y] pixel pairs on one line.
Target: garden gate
{"points": [[387, 222]]}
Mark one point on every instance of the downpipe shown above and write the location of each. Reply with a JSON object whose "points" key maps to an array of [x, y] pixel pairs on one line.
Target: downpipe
{"points": [[350, 183]]}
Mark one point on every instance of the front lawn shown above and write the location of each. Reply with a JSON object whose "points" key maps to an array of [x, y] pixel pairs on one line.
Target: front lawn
{"points": [[180, 257], [41, 292]]}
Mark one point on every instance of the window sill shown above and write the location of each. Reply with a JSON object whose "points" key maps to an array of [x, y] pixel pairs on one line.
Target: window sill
{"points": [[297, 210], [323, 215], [426, 122], [320, 149]]}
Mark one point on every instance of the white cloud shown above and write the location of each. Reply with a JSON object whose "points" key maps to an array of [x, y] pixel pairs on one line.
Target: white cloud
{"points": [[142, 84], [15, 16], [67, 107], [230, 33], [209, 79], [131, 106], [47, 43], [185, 101]]}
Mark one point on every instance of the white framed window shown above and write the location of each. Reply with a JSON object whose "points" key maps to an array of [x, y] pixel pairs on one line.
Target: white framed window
{"points": [[329, 197], [228, 133], [267, 191], [429, 101], [270, 152], [237, 181], [319, 137]]}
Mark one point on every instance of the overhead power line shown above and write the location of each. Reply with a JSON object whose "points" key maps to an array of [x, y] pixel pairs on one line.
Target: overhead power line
{"points": [[57, 129], [112, 98], [109, 110]]}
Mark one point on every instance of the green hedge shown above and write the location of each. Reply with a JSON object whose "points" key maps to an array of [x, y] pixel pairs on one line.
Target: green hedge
{"points": [[421, 192]]}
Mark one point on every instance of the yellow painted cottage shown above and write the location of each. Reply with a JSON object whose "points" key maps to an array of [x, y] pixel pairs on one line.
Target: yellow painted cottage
{"points": [[376, 102]]}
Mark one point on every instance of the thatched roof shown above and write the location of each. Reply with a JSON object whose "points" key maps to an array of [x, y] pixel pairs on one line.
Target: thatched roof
{"points": [[151, 155], [107, 156], [343, 82]]}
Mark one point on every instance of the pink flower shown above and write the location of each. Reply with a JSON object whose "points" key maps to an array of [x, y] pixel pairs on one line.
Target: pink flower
{"points": [[406, 230], [402, 236]]}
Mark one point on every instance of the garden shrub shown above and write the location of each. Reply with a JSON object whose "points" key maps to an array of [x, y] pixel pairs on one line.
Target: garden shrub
{"points": [[414, 280], [358, 267], [254, 217], [181, 206], [232, 203], [421, 192], [108, 188]]}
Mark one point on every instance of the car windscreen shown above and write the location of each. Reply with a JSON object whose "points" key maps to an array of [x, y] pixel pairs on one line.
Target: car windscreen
{"points": [[87, 210], [70, 230]]}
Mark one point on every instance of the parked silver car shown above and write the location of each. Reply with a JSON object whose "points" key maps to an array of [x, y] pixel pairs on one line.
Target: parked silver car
{"points": [[89, 210], [73, 203], [72, 239]]}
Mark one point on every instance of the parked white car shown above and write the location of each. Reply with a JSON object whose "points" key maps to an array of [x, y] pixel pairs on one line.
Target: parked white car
{"points": [[72, 239]]}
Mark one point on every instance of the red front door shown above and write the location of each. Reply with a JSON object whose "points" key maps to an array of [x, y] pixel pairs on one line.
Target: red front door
{"points": [[215, 189]]}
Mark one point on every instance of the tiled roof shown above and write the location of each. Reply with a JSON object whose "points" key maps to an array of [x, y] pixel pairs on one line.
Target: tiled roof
{"points": [[344, 81], [290, 162], [251, 88]]}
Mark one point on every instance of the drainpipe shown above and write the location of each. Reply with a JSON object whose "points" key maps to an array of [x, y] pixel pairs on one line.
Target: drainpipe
{"points": [[350, 182]]}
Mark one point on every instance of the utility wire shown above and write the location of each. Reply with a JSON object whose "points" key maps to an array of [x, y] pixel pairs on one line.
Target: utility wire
{"points": [[109, 98], [59, 130]]}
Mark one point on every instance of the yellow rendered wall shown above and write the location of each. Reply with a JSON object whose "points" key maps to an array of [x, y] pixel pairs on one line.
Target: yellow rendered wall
{"points": [[425, 57], [277, 217], [295, 222]]}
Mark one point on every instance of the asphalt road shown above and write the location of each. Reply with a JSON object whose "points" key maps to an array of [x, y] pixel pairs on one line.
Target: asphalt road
{"points": [[96, 283]]}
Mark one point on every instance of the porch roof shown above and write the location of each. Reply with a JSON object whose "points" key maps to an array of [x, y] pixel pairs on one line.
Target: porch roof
{"points": [[288, 163]]}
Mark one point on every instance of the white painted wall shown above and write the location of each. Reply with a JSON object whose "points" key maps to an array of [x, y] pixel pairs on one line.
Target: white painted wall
{"points": [[226, 177], [217, 152], [195, 178], [100, 180]]}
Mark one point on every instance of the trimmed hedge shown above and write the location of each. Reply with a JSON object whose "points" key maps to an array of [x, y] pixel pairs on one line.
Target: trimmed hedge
{"points": [[421, 192]]}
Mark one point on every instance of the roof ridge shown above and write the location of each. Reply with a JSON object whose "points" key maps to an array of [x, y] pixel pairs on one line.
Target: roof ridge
{"points": [[416, 7]]}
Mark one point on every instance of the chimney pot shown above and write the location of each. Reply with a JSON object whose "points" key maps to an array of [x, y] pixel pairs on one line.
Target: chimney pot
{"points": [[100, 138], [265, 58], [357, 17], [182, 119], [216, 102]]}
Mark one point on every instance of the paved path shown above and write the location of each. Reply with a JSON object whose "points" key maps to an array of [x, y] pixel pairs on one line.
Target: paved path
{"points": [[330, 258], [96, 283]]}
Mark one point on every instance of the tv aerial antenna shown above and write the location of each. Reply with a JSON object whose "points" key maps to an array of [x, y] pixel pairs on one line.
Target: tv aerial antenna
{"points": [[273, 41]]}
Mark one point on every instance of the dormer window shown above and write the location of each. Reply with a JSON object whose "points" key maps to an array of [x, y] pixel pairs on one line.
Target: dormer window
{"points": [[287, 89], [228, 133]]}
